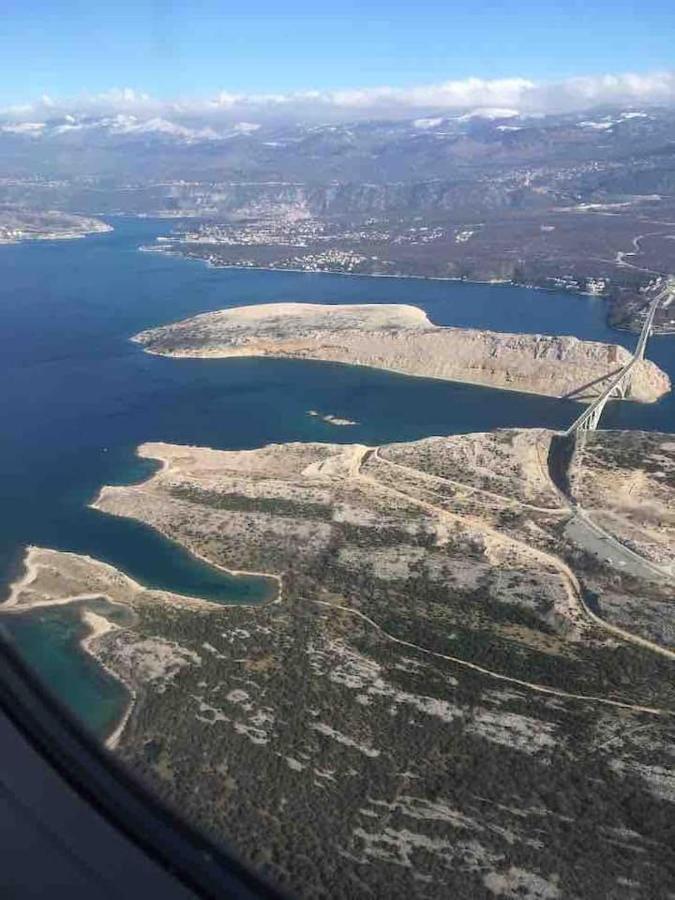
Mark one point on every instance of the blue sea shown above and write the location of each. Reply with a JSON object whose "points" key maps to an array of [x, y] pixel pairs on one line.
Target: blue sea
{"points": [[78, 397]]}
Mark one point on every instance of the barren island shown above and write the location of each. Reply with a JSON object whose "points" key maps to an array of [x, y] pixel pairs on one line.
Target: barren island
{"points": [[401, 338]]}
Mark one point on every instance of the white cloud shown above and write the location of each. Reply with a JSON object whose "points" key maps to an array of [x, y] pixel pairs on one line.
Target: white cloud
{"points": [[31, 128], [447, 98]]}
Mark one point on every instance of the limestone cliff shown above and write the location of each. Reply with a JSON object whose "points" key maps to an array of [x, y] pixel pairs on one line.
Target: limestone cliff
{"points": [[402, 339]]}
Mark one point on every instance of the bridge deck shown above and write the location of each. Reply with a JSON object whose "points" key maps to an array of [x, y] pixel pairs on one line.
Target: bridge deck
{"points": [[616, 385]]}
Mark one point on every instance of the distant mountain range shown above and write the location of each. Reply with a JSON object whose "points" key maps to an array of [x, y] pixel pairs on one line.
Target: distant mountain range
{"points": [[582, 200], [515, 158]]}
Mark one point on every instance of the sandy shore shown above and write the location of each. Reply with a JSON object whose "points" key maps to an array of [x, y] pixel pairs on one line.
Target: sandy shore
{"points": [[27, 594], [32, 590], [96, 624], [99, 626]]}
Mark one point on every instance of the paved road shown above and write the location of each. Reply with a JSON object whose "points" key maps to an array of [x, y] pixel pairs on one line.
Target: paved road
{"points": [[590, 416], [591, 537]]}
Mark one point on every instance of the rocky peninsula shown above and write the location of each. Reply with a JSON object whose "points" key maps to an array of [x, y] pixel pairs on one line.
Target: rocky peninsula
{"points": [[429, 702], [400, 338], [18, 224]]}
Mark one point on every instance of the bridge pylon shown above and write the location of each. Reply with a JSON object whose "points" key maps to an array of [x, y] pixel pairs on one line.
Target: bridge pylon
{"points": [[620, 385]]}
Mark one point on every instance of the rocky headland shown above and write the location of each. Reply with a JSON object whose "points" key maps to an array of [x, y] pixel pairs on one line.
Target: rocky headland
{"points": [[429, 703], [400, 338], [17, 225]]}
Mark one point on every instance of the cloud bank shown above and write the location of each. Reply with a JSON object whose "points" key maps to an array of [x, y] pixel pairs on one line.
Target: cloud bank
{"points": [[524, 95]]}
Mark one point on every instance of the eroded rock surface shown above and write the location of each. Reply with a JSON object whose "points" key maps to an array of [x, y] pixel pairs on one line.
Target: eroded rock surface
{"points": [[402, 339], [426, 707]]}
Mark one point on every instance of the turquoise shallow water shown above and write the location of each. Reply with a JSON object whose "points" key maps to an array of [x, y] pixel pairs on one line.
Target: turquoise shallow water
{"points": [[78, 397], [49, 640]]}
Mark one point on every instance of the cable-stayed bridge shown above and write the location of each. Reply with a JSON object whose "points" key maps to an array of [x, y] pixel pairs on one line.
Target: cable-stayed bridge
{"points": [[620, 383]]}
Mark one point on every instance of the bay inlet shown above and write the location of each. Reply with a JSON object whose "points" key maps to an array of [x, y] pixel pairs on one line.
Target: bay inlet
{"points": [[78, 398]]}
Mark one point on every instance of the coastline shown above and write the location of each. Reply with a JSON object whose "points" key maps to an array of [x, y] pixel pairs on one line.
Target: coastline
{"points": [[31, 571], [331, 362], [506, 282], [95, 626], [493, 282], [527, 370], [98, 627], [47, 236], [30, 567], [165, 466], [12, 606]]}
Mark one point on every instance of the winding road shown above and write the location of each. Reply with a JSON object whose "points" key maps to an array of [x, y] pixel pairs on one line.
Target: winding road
{"points": [[578, 610], [530, 685]]}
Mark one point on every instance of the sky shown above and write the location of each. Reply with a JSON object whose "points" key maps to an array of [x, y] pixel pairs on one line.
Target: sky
{"points": [[172, 49]]}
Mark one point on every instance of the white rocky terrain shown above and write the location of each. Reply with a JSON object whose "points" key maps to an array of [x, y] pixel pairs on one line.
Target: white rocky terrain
{"points": [[401, 338], [427, 704], [18, 225], [626, 482]]}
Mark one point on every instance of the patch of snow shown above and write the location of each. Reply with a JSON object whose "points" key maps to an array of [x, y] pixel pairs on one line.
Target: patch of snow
{"points": [[246, 127], [597, 126], [490, 112], [424, 124]]}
